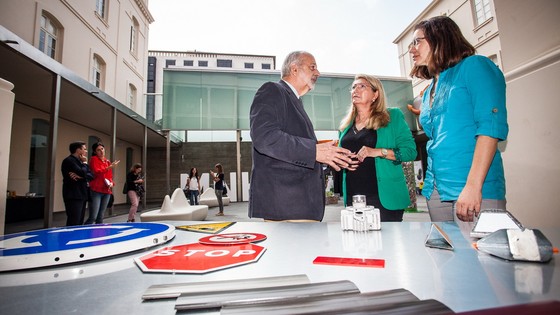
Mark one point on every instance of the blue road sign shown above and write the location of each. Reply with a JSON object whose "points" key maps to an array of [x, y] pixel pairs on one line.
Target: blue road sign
{"points": [[57, 246]]}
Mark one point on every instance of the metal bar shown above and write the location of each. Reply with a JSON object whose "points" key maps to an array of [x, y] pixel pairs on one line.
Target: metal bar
{"points": [[213, 300], [51, 167], [239, 188], [168, 291], [398, 301], [167, 133], [144, 163], [113, 154]]}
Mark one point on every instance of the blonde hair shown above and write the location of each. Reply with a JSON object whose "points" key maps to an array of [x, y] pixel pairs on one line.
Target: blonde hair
{"points": [[378, 115]]}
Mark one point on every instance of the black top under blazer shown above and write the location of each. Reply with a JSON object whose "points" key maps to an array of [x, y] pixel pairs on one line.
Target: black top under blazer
{"points": [[75, 189], [286, 181]]}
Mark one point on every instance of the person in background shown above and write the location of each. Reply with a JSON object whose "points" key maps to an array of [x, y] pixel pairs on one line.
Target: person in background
{"points": [[218, 178], [382, 140], [134, 180], [75, 177], [193, 185], [287, 180], [102, 184], [464, 116]]}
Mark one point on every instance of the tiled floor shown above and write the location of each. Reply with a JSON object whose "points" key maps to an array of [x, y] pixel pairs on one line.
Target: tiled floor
{"points": [[235, 212]]}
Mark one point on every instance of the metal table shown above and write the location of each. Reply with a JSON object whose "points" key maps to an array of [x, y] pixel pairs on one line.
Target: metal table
{"points": [[463, 279]]}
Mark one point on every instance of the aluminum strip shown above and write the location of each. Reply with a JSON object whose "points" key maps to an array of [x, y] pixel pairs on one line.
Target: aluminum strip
{"points": [[399, 301], [215, 300], [172, 291]]}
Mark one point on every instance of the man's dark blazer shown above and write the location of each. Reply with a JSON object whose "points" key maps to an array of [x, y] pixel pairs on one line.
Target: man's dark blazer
{"points": [[72, 189], [286, 181]]}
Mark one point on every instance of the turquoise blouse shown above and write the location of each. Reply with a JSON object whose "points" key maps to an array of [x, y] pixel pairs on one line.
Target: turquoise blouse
{"points": [[469, 100]]}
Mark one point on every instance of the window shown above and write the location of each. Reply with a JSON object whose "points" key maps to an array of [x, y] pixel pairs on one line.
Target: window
{"points": [[188, 63], [169, 62], [224, 63], [38, 153], [266, 66], [203, 63], [249, 65], [482, 10], [131, 96], [134, 36], [48, 36], [98, 71], [101, 8]]}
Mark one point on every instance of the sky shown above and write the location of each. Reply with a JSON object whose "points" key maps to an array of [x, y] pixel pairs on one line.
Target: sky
{"points": [[345, 36]]}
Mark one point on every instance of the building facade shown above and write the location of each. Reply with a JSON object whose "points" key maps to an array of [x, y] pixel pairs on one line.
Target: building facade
{"points": [[79, 73], [158, 61], [102, 41], [477, 20]]}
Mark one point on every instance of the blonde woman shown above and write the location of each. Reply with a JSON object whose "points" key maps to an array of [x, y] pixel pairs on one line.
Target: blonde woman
{"points": [[381, 140]]}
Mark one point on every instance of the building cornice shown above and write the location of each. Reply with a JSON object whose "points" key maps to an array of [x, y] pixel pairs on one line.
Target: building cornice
{"points": [[213, 54], [144, 8]]}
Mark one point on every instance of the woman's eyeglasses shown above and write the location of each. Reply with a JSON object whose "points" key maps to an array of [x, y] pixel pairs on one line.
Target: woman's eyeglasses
{"points": [[359, 87], [416, 41]]}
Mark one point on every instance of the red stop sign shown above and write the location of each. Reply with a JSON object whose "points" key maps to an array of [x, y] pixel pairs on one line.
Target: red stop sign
{"points": [[199, 258]]}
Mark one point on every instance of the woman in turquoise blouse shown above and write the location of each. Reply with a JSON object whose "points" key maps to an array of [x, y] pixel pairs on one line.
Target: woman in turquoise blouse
{"points": [[464, 116], [381, 140]]}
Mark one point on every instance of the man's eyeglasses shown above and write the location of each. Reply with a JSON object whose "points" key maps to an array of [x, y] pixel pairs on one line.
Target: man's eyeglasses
{"points": [[360, 87], [416, 41]]}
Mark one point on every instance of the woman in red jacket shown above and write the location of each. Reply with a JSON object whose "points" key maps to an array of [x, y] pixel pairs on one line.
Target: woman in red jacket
{"points": [[102, 184]]}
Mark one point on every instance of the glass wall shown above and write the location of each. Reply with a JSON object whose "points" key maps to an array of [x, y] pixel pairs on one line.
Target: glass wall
{"points": [[203, 100]]}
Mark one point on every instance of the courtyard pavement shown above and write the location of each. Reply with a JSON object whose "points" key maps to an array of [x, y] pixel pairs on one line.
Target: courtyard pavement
{"points": [[234, 212]]}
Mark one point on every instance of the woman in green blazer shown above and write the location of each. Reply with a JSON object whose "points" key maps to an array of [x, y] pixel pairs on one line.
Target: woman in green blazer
{"points": [[381, 140]]}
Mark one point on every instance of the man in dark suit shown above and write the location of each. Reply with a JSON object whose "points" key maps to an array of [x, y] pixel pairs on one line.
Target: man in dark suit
{"points": [[287, 180], [76, 175]]}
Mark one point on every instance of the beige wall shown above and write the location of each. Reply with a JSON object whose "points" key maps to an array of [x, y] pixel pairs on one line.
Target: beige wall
{"points": [[531, 57], [83, 34], [18, 171]]}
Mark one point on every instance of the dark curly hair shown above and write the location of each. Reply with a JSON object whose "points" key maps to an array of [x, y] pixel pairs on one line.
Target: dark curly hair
{"points": [[447, 43]]}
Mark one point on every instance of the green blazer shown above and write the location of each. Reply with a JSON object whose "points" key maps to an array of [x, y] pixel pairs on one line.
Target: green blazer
{"points": [[393, 191]]}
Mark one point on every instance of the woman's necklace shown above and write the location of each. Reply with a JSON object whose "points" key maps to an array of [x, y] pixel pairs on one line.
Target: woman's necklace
{"points": [[355, 127], [433, 91]]}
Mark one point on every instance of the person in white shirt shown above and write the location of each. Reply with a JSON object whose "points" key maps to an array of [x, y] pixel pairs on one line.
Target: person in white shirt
{"points": [[193, 185]]}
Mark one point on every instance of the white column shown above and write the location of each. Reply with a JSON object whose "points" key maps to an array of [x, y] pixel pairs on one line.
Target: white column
{"points": [[6, 114]]}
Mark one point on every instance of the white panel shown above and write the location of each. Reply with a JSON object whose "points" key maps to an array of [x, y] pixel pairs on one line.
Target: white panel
{"points": [[184, 177], [245, 185], [232, 193], [205, 180]]}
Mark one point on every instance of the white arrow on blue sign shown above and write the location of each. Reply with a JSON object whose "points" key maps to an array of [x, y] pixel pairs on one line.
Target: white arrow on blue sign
{"points": [[56, 246]]}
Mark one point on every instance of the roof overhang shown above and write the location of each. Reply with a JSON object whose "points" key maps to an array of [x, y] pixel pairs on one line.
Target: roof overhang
{"points": [[34, 75]]}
